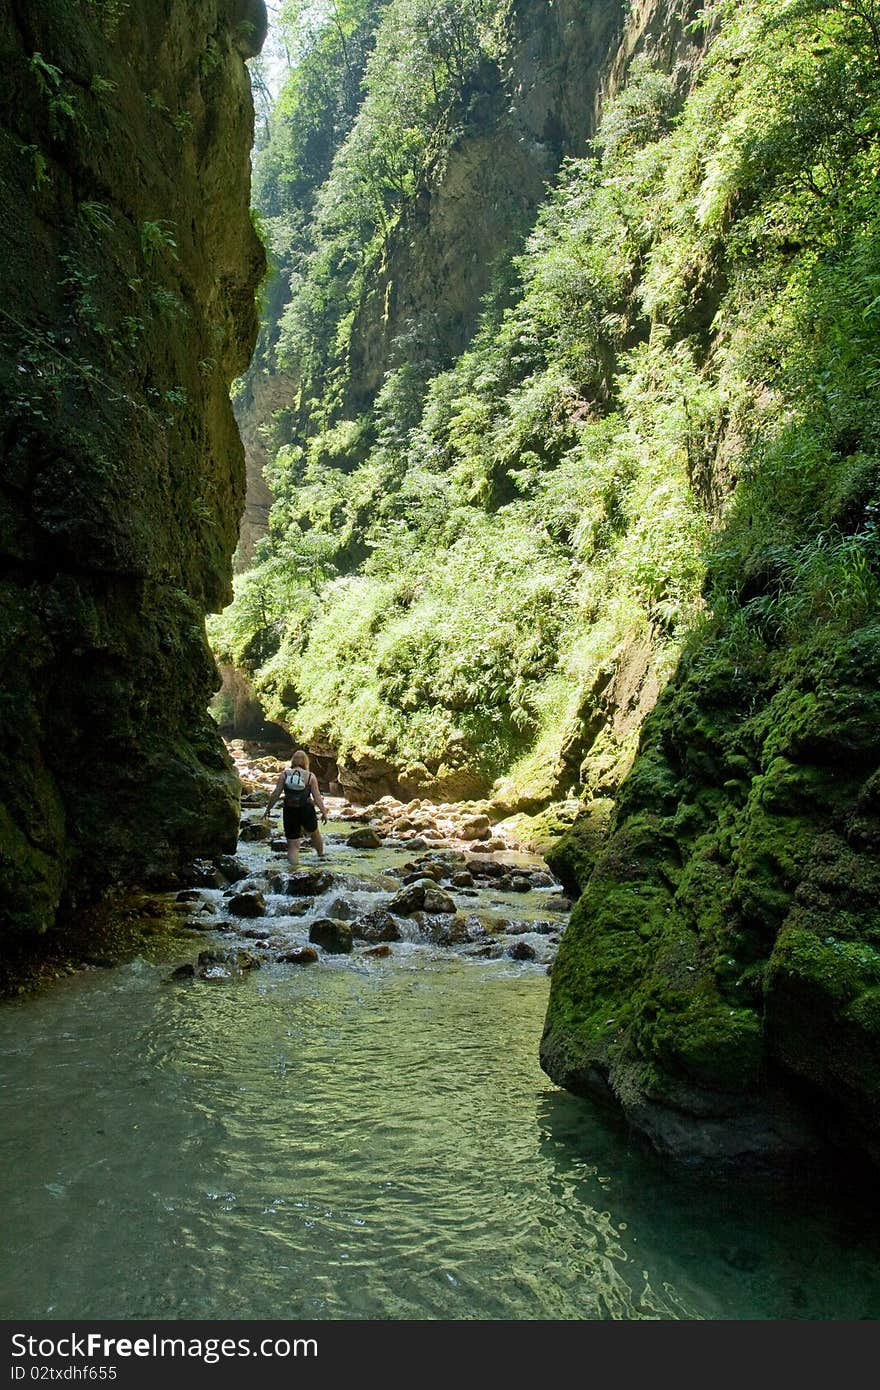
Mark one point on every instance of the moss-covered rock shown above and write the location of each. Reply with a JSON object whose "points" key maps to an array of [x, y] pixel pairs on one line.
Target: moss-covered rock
{"points": [[724, 955], [131, 265]]}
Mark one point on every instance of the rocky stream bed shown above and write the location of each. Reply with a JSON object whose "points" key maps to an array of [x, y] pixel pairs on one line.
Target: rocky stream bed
{"points": [[396, 877]]}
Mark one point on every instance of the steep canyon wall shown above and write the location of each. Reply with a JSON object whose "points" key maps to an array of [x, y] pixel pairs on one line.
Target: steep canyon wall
{"points": [[130, 266]]}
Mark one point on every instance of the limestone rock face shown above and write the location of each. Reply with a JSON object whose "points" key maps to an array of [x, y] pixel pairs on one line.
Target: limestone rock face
{"points": [[128, 307]]}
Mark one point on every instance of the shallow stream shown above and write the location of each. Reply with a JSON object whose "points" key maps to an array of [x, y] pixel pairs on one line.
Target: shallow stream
{"points": [[362, 1138]]}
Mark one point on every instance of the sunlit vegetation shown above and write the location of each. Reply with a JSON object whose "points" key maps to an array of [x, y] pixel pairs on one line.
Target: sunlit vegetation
{"points": [[665, 425]]}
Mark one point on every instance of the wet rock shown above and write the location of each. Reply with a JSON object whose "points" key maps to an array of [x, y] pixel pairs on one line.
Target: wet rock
{"points": [[256, 884], [203, 874], [342, 910], [246, 960], [483, 950], [376, 926], [542, 880], [557, 903], [489, 922], [306, 883], [201, 924], [486, 868], [378, 951], [215, 965], [298, 955], [376, 883], [443, 930], [437, 901], [433, 871], [521, 950], [333, 937], [251, 904], [230, 961], [294, 907], [253, 830], [364, 839], [256, 933], [514, 883], [231, 868], [188, 895], [182, 972], [412, 898], [462, 879], [278, 844]]}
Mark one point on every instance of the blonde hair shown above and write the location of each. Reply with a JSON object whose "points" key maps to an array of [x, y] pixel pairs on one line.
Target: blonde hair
{"points": [[300, 759]]}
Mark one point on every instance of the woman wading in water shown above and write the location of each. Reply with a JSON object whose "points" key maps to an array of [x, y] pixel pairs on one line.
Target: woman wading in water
{"points": [[301, 793]]}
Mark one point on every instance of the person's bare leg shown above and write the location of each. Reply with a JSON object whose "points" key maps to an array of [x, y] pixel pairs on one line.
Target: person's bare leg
{"points": [[293, 852], [317, 840]]}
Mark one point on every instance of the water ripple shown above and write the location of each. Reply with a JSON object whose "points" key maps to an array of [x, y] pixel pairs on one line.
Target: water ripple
{"points": [[337, 1144]]}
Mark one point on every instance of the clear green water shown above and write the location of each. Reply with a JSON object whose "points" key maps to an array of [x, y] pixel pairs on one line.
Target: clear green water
{"points": [[361, 1140]]}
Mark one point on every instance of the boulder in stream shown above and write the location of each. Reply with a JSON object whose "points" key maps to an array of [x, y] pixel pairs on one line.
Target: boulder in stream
{"points": [[541, 879], [306, 883], [377, 925], [226, 965], [291, 907], [365, 838], [342, 910], [486, 868], [514, 883], [298, 955], [412, 898], [182, 972], [253, 830], [333, 937], [521, 950], [436, 901], [232, 869], [443, 929], [417, 875], [203, 874], [557, 903], [250, 904]]}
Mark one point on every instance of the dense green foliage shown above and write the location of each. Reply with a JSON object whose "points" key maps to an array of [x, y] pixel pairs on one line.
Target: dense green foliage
{"points": [[730, 927], [327, 49], [455, 567]]}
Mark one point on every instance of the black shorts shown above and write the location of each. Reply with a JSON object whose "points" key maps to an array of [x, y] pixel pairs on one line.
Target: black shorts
{"points": [[300, 819]]}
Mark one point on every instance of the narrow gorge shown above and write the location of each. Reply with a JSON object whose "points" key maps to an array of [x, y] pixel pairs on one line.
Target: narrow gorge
{"points": [[494, 416]]}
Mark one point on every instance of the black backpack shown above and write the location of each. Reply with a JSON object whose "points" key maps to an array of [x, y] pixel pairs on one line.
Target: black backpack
{"points": [[297, 788]]}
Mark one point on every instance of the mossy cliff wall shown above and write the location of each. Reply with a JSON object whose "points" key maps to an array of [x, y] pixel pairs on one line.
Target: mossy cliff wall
{"points": [[720, 979], [130, 265], [720, 976]]}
